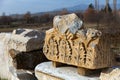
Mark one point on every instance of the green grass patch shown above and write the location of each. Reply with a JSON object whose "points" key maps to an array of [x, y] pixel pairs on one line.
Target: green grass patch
{"points": [[3, 79]]}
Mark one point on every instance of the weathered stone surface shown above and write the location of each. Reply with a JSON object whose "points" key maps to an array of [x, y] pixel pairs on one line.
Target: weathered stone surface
{"points": [[25, 40], [4, 69], [20, 50], [27, 60], [45, 71], [69, 22], [110, 74], [23, 75], [87, 48]]}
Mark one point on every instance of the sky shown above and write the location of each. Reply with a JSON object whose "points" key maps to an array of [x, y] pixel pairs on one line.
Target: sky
{"points": [[22, 6]]}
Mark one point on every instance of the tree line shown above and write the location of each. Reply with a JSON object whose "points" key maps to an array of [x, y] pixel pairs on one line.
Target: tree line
{"points": [[90, 15]]}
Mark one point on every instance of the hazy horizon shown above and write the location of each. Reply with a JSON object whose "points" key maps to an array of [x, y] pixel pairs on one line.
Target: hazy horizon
{"points": [[22, 6]]}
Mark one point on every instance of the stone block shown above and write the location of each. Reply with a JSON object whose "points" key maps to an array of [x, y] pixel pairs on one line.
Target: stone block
{"points": [[26, 60], [70, 43], [45, 71], [25, 40]]}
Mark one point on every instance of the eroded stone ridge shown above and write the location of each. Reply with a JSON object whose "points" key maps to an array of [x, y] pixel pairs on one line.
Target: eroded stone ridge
{"points": [[86, 48]]}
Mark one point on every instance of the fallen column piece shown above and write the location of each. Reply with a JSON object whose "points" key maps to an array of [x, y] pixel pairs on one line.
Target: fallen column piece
{"points": [[68, 42]]}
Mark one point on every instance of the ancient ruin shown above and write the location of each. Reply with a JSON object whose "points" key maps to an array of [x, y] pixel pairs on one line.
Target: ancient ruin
{"points": [[70, 43], [23, 51], [25, 45], [88, 50]]}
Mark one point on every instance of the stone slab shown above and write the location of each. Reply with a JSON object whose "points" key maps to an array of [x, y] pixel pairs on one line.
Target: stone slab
{"points": [[45, 71]]}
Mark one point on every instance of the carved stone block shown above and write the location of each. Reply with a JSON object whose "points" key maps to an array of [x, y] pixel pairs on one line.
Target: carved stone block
{"points": [[87, 48]]}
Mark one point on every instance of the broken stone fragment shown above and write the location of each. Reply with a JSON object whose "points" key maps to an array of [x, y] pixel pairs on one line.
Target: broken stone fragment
{"points": [[110, 74], [25, 40], [69, 22], [23, 75]]}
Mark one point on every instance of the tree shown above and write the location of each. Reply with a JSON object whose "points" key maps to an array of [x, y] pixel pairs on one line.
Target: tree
{"points": [[35, 19], [90, 14], [64, 11], [5, 20], [91, 6], [108, 9], [45, 18], [80, 15], [27, 17]]}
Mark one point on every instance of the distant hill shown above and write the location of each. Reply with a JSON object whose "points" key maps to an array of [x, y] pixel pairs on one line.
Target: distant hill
{"points": [[83, 7], [80, 7], [36, 14]]}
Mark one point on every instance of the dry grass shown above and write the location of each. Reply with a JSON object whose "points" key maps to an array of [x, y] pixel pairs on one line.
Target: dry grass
{"points": [[43, 27], [6, 29], [29, 26]]}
